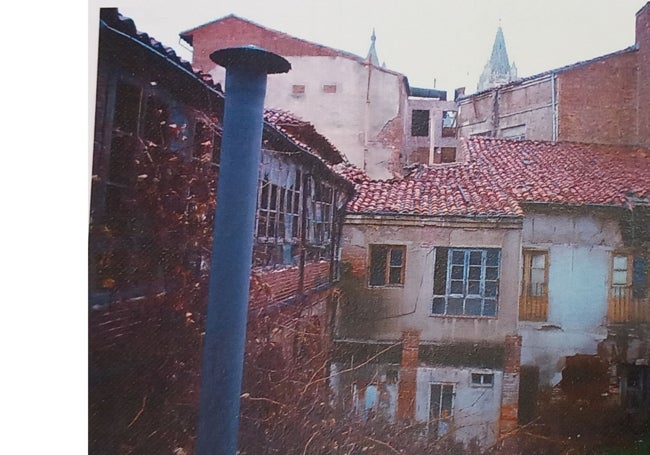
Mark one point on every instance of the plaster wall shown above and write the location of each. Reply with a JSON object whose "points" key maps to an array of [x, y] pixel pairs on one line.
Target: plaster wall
{"points": [[529, 104], [579, 251], [345, 115], [475, 408], [383, 313]]}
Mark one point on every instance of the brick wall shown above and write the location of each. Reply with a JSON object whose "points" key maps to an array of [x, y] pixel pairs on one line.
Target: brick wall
{"points": [[408, 375], [597, 101], [233, 31], [643, 75], [510, 389]]}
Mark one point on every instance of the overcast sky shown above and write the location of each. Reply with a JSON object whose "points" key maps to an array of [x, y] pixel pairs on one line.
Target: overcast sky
{"points": [[446, 41]]}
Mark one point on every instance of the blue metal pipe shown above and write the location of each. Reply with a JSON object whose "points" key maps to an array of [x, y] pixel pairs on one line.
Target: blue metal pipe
{"points": [[232, 247]]}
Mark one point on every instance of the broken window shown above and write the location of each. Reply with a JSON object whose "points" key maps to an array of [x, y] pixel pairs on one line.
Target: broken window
{"points": [[278, 212], [466, 281], [320, 218], [482, 379], [441, 408], [533, 301], [628, 289], [387, 265], [419, 122], [449, 123], [445, 155]]}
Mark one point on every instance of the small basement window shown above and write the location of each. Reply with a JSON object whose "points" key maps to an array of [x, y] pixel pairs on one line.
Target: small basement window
{"points": [[482, 379], [298, 90], [329, 88]]}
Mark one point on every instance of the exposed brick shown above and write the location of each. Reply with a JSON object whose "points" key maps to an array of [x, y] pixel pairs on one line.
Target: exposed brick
{"points": [[408, 374]]}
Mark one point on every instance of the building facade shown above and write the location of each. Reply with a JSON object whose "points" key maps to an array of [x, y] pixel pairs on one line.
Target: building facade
{"points": [[602, 100]]}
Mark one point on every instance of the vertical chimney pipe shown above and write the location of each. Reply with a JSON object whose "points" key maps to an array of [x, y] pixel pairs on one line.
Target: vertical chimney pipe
{"points": [[232, 248]]}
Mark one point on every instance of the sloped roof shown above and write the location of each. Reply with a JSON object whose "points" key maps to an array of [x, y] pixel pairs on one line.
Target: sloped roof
{"points": [[500, 175], [299, 132], [111, 18], [304, 134], [306, 47]]}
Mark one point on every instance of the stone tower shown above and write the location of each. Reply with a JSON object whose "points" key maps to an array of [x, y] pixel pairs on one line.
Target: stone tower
{"points": [[498, 70]]}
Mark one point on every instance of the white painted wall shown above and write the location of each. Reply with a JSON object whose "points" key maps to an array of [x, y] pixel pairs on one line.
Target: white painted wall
{"points": [[579, 248], [340, 116], [475, 409]]}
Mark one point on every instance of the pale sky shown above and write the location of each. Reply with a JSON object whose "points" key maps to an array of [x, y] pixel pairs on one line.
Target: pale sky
{"points": [[446, 41]]}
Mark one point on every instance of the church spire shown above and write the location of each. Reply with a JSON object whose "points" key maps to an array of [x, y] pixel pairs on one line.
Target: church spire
{"points": [[372, 52], [497, 71]]}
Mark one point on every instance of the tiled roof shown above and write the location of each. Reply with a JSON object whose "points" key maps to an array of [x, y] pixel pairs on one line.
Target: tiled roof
{"points": [[499, 175], [303, 134], [110, 17]]}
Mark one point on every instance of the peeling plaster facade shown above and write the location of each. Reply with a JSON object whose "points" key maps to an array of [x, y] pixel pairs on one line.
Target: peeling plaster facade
{"points": [[385, 312], [458, 375], [579, 247], [358, 106]]}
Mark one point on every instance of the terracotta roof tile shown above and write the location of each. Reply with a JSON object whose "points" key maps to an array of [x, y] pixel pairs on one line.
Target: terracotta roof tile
{"points": [[500, 174], [304, 134]]}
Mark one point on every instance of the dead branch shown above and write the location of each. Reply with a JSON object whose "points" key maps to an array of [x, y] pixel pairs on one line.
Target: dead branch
{"points": [[309, 442], [385, 444], [137, 416]]}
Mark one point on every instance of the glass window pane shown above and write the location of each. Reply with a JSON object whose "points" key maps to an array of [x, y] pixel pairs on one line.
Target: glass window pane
{"points": [[491, 273], [438, 305], [475, 273], [489, 307], [475, 257], [447, 399], [490, 289], [396, 256], [619, 277], [538, 260], [434, 402], [456, 287], [474, 287], [395, 275], [457, 272], [458, 257], [473, 307], [620, 262], [455, 306], [493, 257], [537, 276]]}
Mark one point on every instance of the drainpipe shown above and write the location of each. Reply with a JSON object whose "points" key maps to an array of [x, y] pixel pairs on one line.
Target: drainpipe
{"points": [[232, 246], [366, 120], [554, 105]]}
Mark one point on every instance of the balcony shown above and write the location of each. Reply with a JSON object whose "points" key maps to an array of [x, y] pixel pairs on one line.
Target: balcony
{"points": [[533, 303], [624, 307]]}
